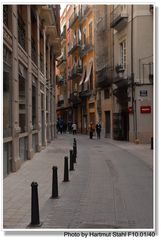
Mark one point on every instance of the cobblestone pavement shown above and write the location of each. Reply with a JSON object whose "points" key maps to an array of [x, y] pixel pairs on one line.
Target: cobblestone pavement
{"points": [[111, 186]]}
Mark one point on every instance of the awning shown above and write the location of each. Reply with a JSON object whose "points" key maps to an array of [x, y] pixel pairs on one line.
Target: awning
{"points": [[88, 72], [83, 75]]}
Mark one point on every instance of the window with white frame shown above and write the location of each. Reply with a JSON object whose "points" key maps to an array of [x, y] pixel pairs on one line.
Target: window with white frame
{"points": [[123, 54]]}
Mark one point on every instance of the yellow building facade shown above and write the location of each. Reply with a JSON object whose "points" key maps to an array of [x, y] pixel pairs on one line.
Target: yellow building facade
{"points": [[87, 84]]}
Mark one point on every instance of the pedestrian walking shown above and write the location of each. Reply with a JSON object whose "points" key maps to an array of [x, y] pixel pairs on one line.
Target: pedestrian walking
{"points": [[91, 130], [61, 124], [69, 126], [98, 130], [57, 126], [74, 127]]}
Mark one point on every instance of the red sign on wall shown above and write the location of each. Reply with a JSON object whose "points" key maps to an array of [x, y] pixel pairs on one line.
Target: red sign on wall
{"points": [[145, 109], [130, 110]]}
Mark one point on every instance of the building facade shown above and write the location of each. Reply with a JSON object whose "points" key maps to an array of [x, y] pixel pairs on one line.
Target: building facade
{"points": [[31, 43], [110, 69], [87, 91], [104, 61], [133, 72], [80, 66]]}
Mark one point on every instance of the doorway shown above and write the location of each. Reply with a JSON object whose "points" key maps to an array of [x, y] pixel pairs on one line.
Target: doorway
{"points": [[107, 124]]}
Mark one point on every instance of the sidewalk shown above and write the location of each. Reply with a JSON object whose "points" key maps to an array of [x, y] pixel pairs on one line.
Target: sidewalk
{"points": [[81, 198], [142, 151], [17, 186]]}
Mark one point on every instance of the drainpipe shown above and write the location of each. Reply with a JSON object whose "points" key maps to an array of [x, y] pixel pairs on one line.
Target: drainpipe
{"points": [[132, 80]]}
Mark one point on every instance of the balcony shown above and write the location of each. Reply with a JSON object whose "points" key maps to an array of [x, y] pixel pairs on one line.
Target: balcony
{"points": [[76, 44], [46, 14], [119, 17], [73, 19], [84, 12], [60, 103], [103, 77], [86, 47], [74, 99], [122, 95], [84, 94], [63, 34], [62, 60], [122, 82], [76, 71]]}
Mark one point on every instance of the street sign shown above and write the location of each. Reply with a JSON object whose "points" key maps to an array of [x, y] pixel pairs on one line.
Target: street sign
{"points": [[145, 109], [143, 93], [130, 110]]}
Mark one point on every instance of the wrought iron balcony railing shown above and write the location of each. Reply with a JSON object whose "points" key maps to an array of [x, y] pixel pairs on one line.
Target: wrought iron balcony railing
{"points": [[86, 46], [84, 11], [76, 44], [73, 19], [76, 71], [63, 34], [61, 61], [60, 103], [104, 77]]}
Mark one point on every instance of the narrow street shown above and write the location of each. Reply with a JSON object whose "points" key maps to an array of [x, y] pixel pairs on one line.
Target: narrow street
{"points": [[111, 186]]}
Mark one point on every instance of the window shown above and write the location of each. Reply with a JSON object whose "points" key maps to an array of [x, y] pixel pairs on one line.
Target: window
{"points": [[22, 98], [22, 17], [123, 54], [84, 36], [7, 94], [106, 93], [91, 79], [7, 16], [34, 102], [42, 102], [47, 103], [34, 35]]}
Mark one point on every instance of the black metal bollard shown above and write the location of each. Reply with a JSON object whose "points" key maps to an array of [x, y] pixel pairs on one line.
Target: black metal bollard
{"points": [[76, 149], [71, 161], [66, 172], [55, 183], [74, 153], [151, 142], [35, 220]]}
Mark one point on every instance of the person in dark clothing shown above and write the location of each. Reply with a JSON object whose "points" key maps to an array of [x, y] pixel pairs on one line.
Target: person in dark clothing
{"points": [[61, 125], [98, 130], [91, 130]]}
